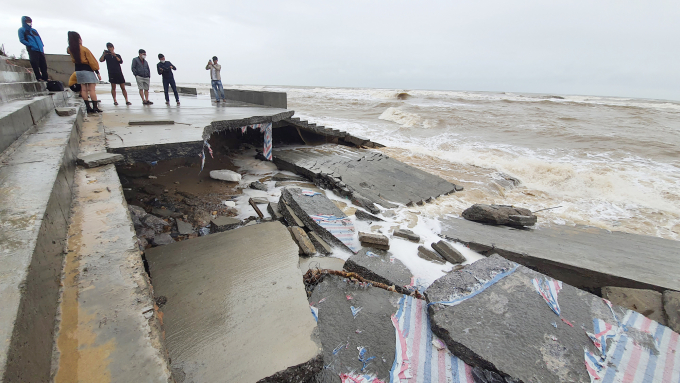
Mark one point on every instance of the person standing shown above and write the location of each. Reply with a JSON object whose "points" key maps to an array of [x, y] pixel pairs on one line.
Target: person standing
{"points": [[140, 68], [86, 67], [215, 78], [113, 61], [34, 46], [165, 69]]}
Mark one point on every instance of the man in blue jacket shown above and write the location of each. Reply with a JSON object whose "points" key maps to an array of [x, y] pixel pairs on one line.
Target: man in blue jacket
{"points": [[34, 46]]}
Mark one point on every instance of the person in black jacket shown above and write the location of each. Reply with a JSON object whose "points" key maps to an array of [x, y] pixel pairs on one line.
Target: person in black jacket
{"points": [[165, 69], [113, 61]]}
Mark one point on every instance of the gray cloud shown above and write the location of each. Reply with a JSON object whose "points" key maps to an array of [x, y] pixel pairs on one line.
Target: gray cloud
{"points": [[618, 48]]}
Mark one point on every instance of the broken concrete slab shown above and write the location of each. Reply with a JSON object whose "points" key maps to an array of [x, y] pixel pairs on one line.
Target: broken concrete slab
{"points": [[407, 234], [289, 215], [647, 302], [165, 213], [320, 245], [427, 254], [367, 177], [137, 212], [448, 252], [302, 373], [380, 266], [64, 112], [257, 185], [363, 216], [287, 177], [372, 238], [184, 228], [500, 215], [225, 175], [99, 159], [203, 323], [322, 216], [273, 210], [585, 257], [260, 200], [151, 122], [491, 315], [321, 263], [304, 243], [156, 224], [220, 224], [162, 239], [671, 305]]}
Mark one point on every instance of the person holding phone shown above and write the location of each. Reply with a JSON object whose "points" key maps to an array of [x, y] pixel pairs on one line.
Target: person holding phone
{"points": [[113, 61], [165, 69], [215, 78]]}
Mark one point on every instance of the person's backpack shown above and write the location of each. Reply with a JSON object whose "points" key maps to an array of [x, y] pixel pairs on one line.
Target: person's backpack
{"points": [[55, 86]]}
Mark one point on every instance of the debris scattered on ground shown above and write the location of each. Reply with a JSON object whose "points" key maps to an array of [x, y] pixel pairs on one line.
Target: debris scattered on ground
{"points": [[380, 266], [377, 241], [162, 239], [257, 185], [302, 240], [99, 159], [500, 215], [220, 224], [184, 228], [225, 175], [407, 234], [448, 252], [429, 255]]}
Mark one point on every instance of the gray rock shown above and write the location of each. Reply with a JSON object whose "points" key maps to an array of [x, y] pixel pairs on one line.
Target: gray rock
{"points": [[363, 216], [320, 244], [379, 266], [64, 112], [145, 233], [671, 305], [289, 215], [162, 239], [304, 243], [458, 188], [151, 221], [286, 177], [429, 255], [407, 234], [257, 185], [273, 210], [142, 243], [448, 252], [220, 224], [647, 302], [136, 211], [260, 200], [165, 213], [500, 215], [225, 175], [184, 228], [99, 159], [372, 238]]}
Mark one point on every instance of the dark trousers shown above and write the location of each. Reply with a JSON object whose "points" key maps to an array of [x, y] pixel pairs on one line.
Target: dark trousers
{"points": [[39, 64], [170, 82]]}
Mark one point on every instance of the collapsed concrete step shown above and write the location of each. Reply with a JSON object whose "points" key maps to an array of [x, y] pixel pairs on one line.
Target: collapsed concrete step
{"points": [[215, 286], [36, 181], [319, 214], [367, 177], [332, 135], [585, 257], [501, 316], [370, 334]]}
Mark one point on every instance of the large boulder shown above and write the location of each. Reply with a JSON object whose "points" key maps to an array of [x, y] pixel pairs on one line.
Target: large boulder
{"points": [[500, 215]]}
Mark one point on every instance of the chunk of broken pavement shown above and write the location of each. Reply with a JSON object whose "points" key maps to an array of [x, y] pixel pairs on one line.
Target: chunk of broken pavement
{"points": [[286, 177], [184, 228], [260, 200], [429, 255], [273, 209], [407, 234], [500, 215], [225, 175], [162, 239], [165, 213], [289, 215], [304, 243], [155, 223], [363, 216], [647, 302], [99, 159], [380, 266], [671, 305], [376, 239], [223, 224], [63, 112], [137, 211], [257, 185], [448, 252], [320, 245]]}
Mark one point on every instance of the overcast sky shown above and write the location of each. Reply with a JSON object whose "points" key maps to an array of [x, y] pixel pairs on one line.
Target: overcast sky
{"points": [[617, 48]]}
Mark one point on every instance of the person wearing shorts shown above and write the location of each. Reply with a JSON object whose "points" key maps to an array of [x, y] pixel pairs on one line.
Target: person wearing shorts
{"points": [[140, 68]]}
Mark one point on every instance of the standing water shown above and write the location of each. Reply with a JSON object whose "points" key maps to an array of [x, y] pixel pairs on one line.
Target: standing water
{"points": [[612, 163]]}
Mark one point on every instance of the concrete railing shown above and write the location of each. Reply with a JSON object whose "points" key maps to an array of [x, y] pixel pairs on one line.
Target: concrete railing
{"points": [[273, 99]]}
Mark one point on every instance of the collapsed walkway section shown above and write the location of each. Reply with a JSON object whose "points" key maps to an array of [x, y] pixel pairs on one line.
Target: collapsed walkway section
{"points": [[235, 305]]}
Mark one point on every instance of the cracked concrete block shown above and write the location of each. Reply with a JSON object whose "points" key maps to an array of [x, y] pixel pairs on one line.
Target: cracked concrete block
{"points": [[220, 224], [99, 159], [407, 234], [363, 216], [372, 238], [429, 255], [448, 252], [274, 211], [320, 244], [380, 266], [63, 112], [304, 243], [184, 228]]}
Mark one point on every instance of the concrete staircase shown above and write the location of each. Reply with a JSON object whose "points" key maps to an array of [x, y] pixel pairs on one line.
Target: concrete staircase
{"points": [[338, 136], [38, 151]]}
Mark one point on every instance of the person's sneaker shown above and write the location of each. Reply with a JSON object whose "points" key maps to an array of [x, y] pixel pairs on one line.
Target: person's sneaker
{"points": [[149, 102]]}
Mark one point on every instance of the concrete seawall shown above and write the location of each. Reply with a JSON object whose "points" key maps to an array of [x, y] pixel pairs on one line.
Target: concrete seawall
{"points": [[273, 99]]}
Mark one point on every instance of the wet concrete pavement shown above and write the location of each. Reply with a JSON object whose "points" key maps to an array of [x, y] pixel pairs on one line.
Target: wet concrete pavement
{"points": [[236, 305]]}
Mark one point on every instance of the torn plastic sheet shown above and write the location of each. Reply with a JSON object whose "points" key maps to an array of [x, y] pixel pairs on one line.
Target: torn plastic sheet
{"points": [[310, 193], [548, 289], [362, 357], [420, 356], [342, 228], [355, 310], [359, 378], [371, 254], [602, 332], [315, 313], [455, 300]]}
